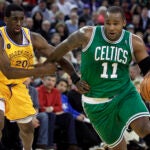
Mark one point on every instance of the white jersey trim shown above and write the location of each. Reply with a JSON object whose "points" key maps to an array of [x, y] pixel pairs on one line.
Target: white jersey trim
{"points": [[4, 43], [112, 42], [25, 41], [90, 41], [91, 100], [130, 43], [2, 105]]}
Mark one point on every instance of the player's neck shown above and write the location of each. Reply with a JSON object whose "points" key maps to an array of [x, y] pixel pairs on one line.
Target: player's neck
{"points": [[16, 37]]}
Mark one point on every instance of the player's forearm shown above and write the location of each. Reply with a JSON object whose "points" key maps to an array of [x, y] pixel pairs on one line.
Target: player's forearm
{"points": [[66, 66], [15, 73]]}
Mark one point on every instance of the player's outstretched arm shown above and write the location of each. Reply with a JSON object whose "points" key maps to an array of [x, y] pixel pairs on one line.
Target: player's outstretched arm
{"points": [[15, 73], [47, 50], [78, 39]]}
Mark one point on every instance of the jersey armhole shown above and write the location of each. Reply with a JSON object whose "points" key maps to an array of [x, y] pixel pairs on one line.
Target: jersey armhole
{"points": [[4, 45], [130, 43], [90, 41]]}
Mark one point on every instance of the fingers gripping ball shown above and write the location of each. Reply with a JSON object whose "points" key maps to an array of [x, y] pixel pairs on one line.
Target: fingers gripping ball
{"points": [[145, 88]]}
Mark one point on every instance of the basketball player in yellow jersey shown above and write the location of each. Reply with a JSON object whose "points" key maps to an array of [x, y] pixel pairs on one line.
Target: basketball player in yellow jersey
{"points": [[16, 46]]}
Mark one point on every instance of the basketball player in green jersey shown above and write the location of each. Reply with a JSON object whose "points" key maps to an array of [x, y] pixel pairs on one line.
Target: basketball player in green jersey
{"points": [[112, 103]]}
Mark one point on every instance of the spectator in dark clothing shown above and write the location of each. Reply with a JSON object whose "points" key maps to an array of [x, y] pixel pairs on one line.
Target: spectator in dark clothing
{"points": [[10, 138], [88, 137], [86, 13], [45, 30], [144, 20], [37, 21], [75, 99]]}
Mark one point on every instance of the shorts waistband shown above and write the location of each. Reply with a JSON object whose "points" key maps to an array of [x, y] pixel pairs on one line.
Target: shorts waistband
{"points": [[92, 100]]}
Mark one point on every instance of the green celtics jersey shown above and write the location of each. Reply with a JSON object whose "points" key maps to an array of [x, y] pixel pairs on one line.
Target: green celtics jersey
{"points": [[105, 64]]}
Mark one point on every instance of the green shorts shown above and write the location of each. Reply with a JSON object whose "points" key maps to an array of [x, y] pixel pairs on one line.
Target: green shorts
{"points": [[110, 119]]}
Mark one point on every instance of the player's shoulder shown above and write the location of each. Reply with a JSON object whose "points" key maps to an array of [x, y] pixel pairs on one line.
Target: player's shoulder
{"points": [[86, 29], [137, 42], [35, 36], [136, 39]]}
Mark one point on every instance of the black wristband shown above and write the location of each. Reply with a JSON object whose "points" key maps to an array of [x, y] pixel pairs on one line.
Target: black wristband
{"points": [[145, 65], [75, 78]]}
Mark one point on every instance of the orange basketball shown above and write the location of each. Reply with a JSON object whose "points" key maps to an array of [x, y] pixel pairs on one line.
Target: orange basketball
{"points": [[145, 88]]}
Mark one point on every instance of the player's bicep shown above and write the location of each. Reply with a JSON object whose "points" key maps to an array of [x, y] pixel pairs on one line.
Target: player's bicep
{"points": [[41, 45], [75, 40], [139, 49]]}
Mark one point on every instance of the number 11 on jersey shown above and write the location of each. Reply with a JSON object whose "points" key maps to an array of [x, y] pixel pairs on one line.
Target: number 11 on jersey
{"points": [[105, 70]]}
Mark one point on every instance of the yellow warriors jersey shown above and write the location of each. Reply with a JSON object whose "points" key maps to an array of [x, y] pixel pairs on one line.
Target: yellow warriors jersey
{"points": [[20, 56]]}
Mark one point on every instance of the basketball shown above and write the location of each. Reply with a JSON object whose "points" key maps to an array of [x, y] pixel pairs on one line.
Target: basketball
{"points": [[145, 88]]}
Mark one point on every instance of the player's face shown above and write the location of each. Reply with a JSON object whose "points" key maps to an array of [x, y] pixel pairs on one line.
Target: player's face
{"points": [[15, 21], [113, 26]]}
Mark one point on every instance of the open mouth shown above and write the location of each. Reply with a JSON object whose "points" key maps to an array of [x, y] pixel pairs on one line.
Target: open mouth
{"points": [[112, 34]]}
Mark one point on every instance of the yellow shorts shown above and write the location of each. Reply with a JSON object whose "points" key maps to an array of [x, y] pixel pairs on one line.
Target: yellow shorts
{"points": [[18, 103]]}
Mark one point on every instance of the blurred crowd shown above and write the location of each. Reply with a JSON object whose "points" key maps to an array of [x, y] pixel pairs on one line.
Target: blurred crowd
{"points": [[61, 122]]}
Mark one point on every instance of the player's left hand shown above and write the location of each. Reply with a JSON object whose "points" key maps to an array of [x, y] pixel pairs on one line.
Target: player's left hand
{"points": [[82, 86]]}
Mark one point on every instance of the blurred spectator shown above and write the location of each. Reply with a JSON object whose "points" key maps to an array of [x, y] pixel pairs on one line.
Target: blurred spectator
{"points": [[146, 35], [74, 8], [18, 2], [64, 6], [144, 20], [59, 17], [37, 21], [101, 14], [2, 8], [136, 23], [135, 8], [75, 99], [86, 14], [116, 2], [105, 3], [41, 119], [30, 2], [55, 39], [50, 102], [28, 23], [82, 22], [62, 29], [42, 7], [46, 30], [130, 28], [72, 23], [53, 10], [125, 7], [86, 138], [79, 4]]}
